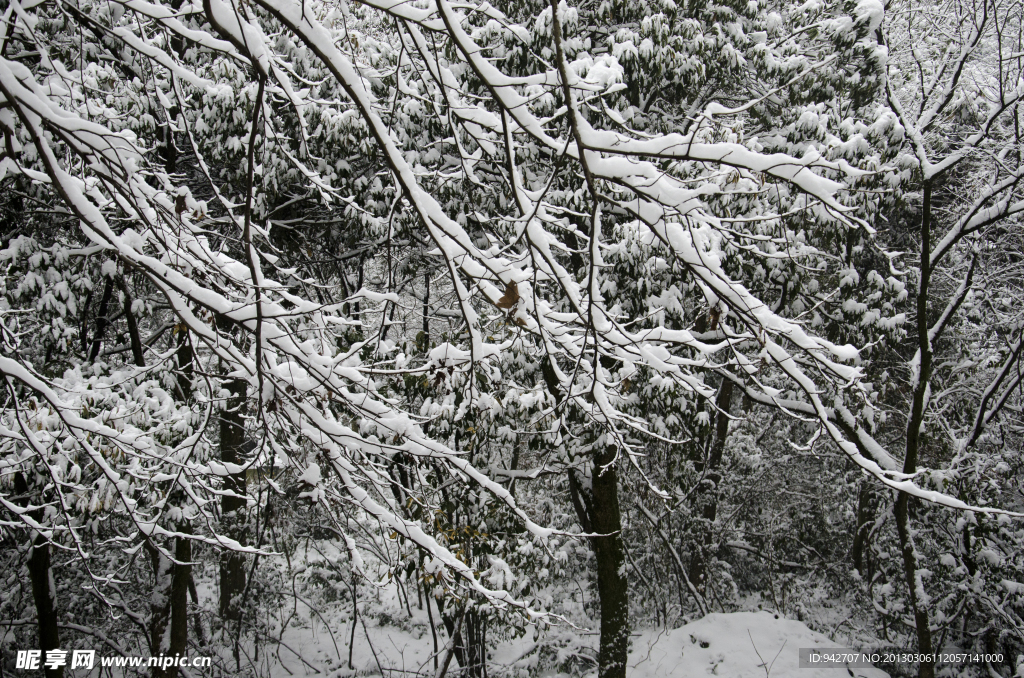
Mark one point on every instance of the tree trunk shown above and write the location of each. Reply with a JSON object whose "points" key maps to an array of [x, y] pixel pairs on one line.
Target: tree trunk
{"points": [[185, 357], [170, 598], [612, 586], [708, 492], [861, 544], [915, 587], [138, 353], [101, 321], [170, 603], [160, 604], [426, 310], [470, 644], [232, 441], [41, 577], [197, 618], [42, 594], [179, 598]]}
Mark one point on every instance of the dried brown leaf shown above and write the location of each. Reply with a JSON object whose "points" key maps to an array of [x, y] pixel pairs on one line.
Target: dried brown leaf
{"points": [[511, 296]]}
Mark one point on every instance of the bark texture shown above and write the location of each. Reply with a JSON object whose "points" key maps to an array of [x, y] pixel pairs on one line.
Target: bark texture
{"points": [[40, 576], [232, 442], [708, 491], [612, 587]]}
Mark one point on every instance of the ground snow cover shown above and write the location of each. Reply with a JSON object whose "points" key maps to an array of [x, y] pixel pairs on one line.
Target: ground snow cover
{"points": [[734, 645], [391, 638], [389, 642]]}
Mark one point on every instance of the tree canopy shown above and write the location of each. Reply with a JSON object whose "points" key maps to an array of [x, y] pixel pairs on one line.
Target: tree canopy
{"points": [[472, 284]]}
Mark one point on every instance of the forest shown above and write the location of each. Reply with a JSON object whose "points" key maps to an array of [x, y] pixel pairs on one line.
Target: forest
{"points": [[541, 338]]}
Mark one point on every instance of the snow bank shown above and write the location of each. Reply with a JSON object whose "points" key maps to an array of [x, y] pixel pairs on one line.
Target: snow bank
{"points": [[723, 645]]}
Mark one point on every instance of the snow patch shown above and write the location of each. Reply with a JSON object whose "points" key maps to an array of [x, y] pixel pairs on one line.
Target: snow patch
{"points": [[871, 11], [728, 645]]}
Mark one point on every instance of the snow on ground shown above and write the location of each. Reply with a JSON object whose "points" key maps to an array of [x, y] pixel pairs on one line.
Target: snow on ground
{"points": [[386, 639], [734, 645], [391, 637]]}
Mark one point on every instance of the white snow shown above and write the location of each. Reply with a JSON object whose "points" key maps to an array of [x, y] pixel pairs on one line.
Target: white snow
{"points": [[392, 640], [311, 476], [733, 642]]}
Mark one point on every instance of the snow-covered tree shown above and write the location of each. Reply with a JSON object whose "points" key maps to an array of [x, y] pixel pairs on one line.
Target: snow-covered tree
{"points": [[355, 255]]}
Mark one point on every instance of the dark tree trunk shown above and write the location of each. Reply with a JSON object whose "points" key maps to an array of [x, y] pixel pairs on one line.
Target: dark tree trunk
{"points": [[83, 324], [160, 604], [184, 357], [101, 320], [179, 599], [861, 543], [42, 594], [470, 646], [599, 513], [477, 650], [197, 618], [612, 586], [138, 354], [232, 441], [426, 310], [708, 491], [170, 598], [915, 585], [902, 509], [170, 604], [39, 574], [580, 502]]}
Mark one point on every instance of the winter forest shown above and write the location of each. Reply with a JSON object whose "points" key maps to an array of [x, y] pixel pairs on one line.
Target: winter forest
{"points": [[565, 338]]}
